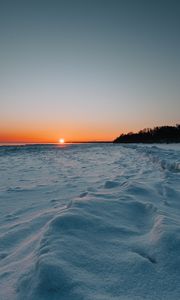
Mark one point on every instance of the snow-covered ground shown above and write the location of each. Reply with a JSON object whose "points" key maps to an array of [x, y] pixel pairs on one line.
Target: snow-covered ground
{"points": [[90, 222]]}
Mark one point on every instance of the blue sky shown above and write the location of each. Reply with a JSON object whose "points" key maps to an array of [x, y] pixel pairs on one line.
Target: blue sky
{"points": [[88, 69]]}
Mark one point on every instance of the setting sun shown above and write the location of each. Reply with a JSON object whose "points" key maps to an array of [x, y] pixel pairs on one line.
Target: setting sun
{"points": [[61, 141]]}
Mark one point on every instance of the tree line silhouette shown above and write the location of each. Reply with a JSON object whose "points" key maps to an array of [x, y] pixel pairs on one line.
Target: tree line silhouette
{"points": [[159, 134]]}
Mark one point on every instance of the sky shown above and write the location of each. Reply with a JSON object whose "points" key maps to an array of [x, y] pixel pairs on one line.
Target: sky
{"points": [[87, 70]]}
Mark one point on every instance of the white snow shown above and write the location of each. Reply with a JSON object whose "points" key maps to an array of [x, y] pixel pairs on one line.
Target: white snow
{"points": [[92, 222]]}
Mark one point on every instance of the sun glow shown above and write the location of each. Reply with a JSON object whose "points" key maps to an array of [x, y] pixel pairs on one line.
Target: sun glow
{"points": [[61, 141]]}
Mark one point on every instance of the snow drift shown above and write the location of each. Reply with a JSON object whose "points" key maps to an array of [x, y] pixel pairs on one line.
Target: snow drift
{"points": [[89, 222]]}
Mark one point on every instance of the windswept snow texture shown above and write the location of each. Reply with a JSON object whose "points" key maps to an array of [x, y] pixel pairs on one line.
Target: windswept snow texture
{"points": [[90, 222]]}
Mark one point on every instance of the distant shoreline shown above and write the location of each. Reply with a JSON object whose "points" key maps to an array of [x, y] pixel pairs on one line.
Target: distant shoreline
{"points": [[160, 135], [149, 143]]}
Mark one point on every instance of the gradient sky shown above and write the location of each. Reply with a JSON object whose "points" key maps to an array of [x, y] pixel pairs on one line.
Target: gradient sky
{"points": [[87, 70]]}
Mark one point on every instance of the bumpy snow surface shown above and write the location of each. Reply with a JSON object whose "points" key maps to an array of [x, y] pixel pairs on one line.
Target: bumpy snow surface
{"points": [[90, 222]]}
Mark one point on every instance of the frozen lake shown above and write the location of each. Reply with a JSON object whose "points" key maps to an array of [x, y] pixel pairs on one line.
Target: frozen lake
{"points": [[90, 222]]}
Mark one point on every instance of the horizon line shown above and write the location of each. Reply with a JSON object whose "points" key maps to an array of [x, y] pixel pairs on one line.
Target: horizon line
{"points": [[54, 143]]}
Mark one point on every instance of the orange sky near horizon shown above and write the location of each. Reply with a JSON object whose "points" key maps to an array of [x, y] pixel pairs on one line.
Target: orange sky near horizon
{"points": [[51, 132], [27, 132], [52, 137], [48, 135], [32, 130]]}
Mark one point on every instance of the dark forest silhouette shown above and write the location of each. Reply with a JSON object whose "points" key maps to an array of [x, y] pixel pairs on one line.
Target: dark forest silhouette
{"points": [[163, 134]]}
